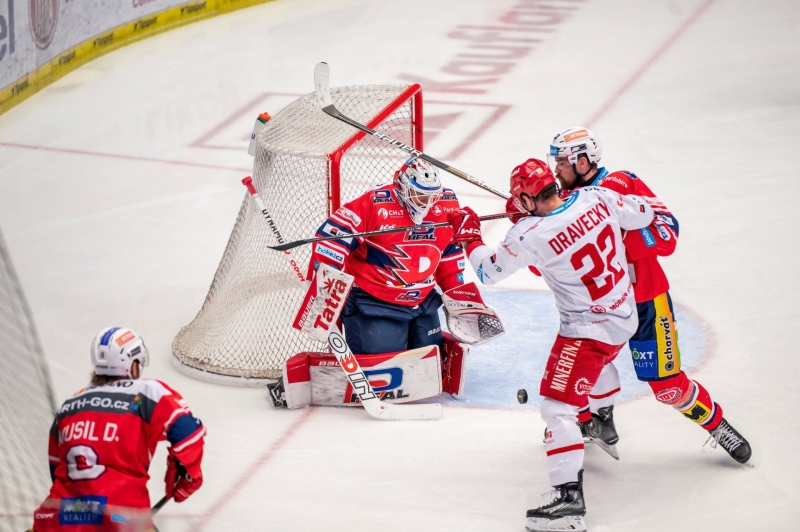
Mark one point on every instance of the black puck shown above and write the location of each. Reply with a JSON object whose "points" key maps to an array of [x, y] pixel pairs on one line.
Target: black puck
{"points": [[522, 396]]}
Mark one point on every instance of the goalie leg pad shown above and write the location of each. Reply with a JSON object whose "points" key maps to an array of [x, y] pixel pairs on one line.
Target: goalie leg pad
{"points": [[454, 357], [317, 379]]}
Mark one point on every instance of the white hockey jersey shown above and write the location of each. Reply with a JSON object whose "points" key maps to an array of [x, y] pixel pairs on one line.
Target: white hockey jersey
{"points": [[579, 251]]}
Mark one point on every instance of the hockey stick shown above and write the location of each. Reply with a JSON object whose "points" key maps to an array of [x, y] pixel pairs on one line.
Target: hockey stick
{"points": [[372, 404], [296, 243], [349, 364], [248, 182], [322, 76]]}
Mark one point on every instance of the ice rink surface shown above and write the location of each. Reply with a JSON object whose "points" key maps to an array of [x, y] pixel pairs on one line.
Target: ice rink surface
{"points": [[119, 185]]}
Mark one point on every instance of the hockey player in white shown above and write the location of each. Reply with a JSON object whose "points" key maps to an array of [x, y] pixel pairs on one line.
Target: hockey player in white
{"points": [[576, 244]]}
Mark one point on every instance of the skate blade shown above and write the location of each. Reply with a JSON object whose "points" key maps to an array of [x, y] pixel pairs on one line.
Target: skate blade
{"points": [[610, 449], [562, 524]]}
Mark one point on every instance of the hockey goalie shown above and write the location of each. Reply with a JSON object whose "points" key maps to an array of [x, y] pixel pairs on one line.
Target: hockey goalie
{"points": [[382, 289]]}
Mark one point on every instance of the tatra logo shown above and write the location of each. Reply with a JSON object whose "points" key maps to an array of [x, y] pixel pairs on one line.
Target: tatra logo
{"points": [[328, 314], [597, 309], [43, 20]]}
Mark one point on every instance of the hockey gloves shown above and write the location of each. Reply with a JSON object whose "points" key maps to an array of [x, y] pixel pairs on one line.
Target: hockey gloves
{"points": [[469, 319], [179, 484], [511, 207], [466, 228]]}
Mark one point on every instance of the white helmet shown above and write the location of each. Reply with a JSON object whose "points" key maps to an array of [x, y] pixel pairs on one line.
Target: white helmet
{"points": [[573, 142], [418, 187], [114, 349]]}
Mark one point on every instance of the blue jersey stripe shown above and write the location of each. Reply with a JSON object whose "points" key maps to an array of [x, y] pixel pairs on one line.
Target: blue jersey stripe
{"points": [[182, 427]]}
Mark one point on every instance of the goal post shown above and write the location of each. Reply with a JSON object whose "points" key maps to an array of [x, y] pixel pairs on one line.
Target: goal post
{"points": [[27, 407], [306, 166]]}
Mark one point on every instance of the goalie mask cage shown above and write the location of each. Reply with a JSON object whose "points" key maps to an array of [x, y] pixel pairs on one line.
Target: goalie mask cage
{"points": [[26, 406], [307, 164]]}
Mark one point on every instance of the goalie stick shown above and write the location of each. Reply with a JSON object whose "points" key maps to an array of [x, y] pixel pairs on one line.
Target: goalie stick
{"points": [[372, 404], [291, 245], [248, 182], [322, 76]]}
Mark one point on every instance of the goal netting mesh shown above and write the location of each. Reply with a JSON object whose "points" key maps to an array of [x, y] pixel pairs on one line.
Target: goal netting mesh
{"points": [[306, 164], [26, 407]]}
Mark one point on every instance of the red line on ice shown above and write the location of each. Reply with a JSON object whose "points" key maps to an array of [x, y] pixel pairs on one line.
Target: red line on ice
{"points": [[647, 64], [251, 471], [120, 156]]}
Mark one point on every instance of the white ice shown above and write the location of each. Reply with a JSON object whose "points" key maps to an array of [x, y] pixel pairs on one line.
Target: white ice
{"points": [[117, 206]]}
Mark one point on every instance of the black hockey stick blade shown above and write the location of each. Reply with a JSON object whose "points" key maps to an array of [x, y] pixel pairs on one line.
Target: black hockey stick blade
{"points": [[322, 77], [160, 504], [296, 243]]}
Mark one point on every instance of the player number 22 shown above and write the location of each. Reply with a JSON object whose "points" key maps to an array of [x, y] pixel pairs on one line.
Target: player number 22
{"points": [[605, 270]]}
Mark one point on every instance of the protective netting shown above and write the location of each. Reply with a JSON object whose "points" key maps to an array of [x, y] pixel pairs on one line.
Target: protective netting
{"points": [[26, 407], [243, 331]]}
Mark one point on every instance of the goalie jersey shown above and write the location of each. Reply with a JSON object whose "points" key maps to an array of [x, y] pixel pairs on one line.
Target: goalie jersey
{"points": [[399, 268], [102, 441], [578, 250]]}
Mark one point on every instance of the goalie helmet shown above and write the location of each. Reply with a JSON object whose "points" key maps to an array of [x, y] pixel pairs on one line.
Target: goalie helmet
{"points": [[529, 179], [418, 187], [114, 350], [573, 142]]}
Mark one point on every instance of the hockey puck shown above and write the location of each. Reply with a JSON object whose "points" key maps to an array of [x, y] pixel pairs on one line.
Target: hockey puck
{"points": [[522, 396]]}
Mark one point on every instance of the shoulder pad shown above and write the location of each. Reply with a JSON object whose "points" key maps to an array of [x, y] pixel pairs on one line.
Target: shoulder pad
{"points": [[620, 181], [381, 194]]}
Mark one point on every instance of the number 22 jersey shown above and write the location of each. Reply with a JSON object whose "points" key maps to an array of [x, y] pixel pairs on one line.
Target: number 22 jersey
{"points": [[579, 251]]}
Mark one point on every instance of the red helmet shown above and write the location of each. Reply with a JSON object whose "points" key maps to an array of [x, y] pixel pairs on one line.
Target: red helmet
{"points": [[530, 178]]}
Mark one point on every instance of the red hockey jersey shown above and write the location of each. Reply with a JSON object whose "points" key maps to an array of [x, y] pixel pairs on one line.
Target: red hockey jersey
{"points": [[399, 268], [643, 247], [101, 444]]}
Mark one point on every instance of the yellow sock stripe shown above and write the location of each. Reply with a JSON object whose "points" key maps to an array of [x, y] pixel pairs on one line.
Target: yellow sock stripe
{"points": [[113, 39]]}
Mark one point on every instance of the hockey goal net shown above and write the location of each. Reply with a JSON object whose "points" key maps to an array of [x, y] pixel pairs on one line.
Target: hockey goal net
{"points": [[306, 165], [26, 406]]}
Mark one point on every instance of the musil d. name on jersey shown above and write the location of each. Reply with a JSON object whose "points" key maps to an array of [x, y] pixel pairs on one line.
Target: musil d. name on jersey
{"points": [[585, 223]]}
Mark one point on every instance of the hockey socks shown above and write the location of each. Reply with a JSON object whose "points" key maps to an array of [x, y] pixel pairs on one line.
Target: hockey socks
{"points": [[563, 440], [690, 398]]}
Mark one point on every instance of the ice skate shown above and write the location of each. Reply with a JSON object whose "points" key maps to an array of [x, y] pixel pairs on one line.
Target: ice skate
{"points": [[564, 513], [601, 430], [729, 439], [276, 393]]}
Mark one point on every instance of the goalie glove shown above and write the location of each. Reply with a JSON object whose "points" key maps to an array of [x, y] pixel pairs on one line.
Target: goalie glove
{"points": [[469, 319]]}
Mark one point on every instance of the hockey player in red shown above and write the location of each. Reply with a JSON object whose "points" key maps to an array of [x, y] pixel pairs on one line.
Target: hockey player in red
{"points": [[574, 155], [103, 438], [393, 305], [576, 245]]}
